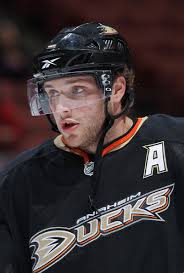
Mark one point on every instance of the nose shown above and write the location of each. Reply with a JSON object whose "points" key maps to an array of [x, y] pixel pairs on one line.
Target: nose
{"points": [[63, 110], [64, 107]]}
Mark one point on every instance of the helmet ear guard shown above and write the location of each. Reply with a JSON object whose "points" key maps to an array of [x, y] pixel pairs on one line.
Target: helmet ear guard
{"points": [[38, 99]]}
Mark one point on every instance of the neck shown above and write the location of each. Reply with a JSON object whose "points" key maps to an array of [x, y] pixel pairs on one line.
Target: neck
{"points": [[120, 127]]}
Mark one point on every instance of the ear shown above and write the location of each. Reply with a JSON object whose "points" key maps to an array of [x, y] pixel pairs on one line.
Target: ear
{"points": [[118, 89]]}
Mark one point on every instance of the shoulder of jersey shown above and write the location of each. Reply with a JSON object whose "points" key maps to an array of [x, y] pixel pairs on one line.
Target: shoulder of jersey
{"points": [[26, 158], [164, 127]]}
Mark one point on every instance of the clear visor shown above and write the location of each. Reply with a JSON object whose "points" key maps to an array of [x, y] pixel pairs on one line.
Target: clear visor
{"points": [[62, 93]]}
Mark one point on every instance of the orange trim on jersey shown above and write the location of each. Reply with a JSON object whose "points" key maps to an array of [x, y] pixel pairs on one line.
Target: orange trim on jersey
{"points": [[78, 151], [123, 139], [81, 153]]}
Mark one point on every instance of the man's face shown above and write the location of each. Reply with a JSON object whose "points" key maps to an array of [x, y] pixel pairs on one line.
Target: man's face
{"points": [[78, 108]]}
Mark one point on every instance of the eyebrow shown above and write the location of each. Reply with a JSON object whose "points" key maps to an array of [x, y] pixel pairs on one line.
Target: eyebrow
{"points": [[68, 81]]}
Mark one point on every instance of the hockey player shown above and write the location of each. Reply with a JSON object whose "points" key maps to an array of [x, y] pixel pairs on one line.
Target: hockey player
{"points": [[105, 195]]}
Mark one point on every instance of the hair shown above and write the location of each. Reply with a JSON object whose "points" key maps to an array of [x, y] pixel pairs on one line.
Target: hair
{"points": [[129, 75]]}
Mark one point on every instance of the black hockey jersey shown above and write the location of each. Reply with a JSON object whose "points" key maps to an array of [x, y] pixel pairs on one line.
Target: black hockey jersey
{"points": [[136, 225]]}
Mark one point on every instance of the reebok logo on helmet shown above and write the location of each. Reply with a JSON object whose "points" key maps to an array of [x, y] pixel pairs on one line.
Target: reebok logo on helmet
{"points": [[47, 63]]}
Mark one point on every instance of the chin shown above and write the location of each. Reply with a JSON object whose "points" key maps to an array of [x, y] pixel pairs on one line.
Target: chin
{"points": [[73, 141]]}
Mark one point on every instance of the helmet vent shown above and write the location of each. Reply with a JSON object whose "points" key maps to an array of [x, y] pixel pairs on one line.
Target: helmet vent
{"points": [[109, 44], [120, 45]]}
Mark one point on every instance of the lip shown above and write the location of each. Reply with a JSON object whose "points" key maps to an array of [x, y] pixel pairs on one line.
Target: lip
{"points": [[68, 125]]}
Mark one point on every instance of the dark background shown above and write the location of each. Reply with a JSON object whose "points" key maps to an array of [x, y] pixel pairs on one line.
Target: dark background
{"points": [[154, 30]]}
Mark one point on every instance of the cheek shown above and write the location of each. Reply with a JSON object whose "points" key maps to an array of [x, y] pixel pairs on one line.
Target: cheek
{"points": [[57, 119], [97, 109], [55, 116], [93, 117]]}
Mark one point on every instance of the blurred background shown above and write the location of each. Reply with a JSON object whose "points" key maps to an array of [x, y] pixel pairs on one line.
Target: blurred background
{"points": [[154, 30]]}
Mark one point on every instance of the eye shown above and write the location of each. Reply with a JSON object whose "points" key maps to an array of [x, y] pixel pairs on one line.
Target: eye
{"points": [[52, 93], [78, 90]]}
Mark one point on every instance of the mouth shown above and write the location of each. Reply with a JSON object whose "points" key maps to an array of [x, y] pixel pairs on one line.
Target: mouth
{"points": [[69, 125]]}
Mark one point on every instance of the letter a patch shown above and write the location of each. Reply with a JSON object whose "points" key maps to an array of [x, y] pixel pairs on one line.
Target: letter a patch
{"points": [[155, 159]]}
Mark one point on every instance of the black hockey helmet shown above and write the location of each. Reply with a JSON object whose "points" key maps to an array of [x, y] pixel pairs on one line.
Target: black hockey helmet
{"points": [[90, 48]]}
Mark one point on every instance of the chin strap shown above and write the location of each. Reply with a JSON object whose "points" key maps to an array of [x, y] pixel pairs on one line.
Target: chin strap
{"points": [[53, 124], [108, 123]]}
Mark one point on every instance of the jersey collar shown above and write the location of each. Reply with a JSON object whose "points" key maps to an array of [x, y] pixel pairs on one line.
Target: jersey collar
{"points": [[116, 145]]}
